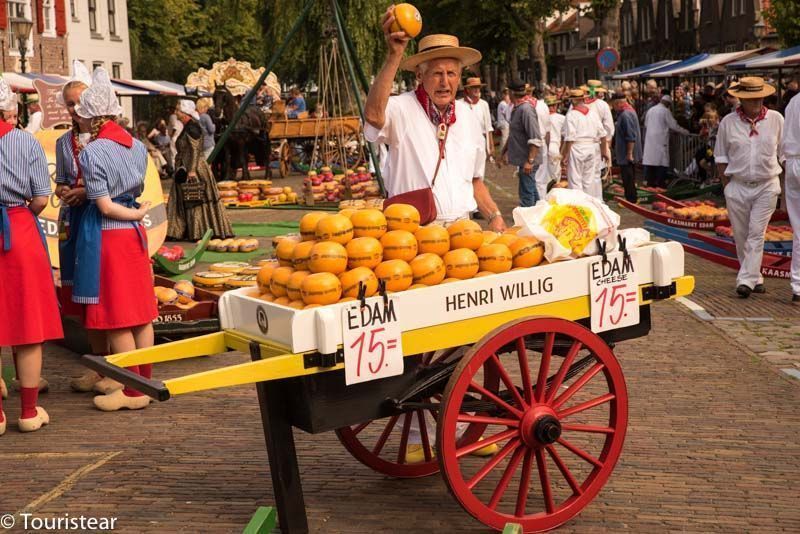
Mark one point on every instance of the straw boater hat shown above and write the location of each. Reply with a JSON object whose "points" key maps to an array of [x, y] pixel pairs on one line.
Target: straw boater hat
{"points": [[751, 87], [99, 100], [597, 85], [474, 82], [551, 100], [576, 93], [8, 98], [438, 46]]}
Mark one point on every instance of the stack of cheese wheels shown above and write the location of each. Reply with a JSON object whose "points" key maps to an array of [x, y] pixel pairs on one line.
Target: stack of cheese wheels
{"points": [[228, 190], [336, 255]]}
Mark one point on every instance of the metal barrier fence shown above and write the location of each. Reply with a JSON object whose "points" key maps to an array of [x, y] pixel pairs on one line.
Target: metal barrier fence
{"points": [[682, 152]]}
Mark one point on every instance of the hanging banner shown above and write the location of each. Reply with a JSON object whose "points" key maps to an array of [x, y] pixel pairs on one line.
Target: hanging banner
{"points": [[155, 222]]}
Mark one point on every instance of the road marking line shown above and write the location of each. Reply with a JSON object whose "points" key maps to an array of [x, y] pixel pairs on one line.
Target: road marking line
{"points": [[695, 308], [67, 484], [500, 188], [48, 455]]}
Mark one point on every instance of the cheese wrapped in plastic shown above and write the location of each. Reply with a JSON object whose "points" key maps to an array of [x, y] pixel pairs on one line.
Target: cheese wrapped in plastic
{"points": [[568, 222]]}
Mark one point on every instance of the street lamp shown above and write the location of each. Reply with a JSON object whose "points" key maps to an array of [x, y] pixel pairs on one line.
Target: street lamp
{"points": [[759, 31], [22, 29]]}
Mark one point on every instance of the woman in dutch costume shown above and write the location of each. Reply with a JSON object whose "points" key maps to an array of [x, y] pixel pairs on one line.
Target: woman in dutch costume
{"points": [[28, 305], [112, 274], [71, 190]]}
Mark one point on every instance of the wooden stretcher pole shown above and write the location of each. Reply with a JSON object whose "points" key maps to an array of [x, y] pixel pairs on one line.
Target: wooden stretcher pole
{"points": [[253, 90], [350, 59]]}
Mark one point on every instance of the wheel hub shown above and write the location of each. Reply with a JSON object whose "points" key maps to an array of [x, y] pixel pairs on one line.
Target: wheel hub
{"points": [[540, 426]]}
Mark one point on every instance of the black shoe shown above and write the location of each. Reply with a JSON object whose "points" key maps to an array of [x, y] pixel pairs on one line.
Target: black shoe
{"points": [[760, 289], [795, 298], [743, 291]]}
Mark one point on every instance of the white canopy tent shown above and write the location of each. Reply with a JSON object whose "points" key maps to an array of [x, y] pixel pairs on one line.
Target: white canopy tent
{"points": [[787, 58], [701, 62]]}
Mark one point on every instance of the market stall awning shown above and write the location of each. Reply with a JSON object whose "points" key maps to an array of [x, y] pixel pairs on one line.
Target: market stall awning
{"points": [[161, 87], [789, 57], [23, 83], [702, 62], [644, 69]]}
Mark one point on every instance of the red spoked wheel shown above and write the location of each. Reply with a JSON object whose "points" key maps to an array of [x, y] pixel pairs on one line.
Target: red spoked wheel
{"points": [[565, 428], [381, 443]]}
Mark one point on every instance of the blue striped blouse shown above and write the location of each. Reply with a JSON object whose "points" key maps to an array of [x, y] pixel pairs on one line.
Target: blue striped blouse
{"points": [[66, 166], [111, 170], [23, 169]]}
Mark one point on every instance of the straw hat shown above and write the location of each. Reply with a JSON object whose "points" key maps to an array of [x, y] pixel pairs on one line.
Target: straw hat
{"points": [[474, 82], [438, 46], [576, 93], [597, 85], [551, 100], [751, 87]]}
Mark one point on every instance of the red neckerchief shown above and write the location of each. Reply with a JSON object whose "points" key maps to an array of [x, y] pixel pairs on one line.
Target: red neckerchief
{"points": [[470, 102], [529, 99], [76, 151], [590, 100], [5, 128], [114, 132], [752, 122], [581, 108], [627, 107], [442, 122]]}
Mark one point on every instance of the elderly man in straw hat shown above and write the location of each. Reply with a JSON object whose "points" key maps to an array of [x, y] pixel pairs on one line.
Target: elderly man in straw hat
{"points": [[748, 156], [584, 145], [434, 141], [791, 149], [480, 108]]}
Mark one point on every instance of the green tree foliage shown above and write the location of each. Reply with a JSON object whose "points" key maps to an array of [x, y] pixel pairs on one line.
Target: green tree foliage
{"points": [[784, 16]]}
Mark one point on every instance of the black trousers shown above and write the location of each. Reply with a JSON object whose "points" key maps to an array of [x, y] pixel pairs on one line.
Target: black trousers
{"points": [[629, 181]]}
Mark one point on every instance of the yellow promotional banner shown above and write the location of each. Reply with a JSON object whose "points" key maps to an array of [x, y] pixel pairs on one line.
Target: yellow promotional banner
{"points": [[155, 222]]}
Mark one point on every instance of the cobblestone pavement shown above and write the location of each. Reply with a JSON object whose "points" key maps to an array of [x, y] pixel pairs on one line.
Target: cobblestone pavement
{"points": [[713, 440]]}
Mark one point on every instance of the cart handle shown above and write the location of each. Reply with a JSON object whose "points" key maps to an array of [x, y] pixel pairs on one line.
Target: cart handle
{"points": [[152, 388]]}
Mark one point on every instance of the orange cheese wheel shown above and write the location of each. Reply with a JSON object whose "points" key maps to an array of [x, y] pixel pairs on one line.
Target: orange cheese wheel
{"points": [[284, 252], [336, 228], [428, 269], [263, 277], [327, 257], [308, 224], [489, 237], [481, 274], [505, 239], [417, 286], [321, 288], [513, 230], [407, 19], [465, 234], [364, 252], [396, 273], [308, 306], [461, 263], [351, 279], [368, 223], [297, 304], [432, 238], [450, 280], [399, 245], [280, 280], [347, 299], [402, 217], [347, 212], [494, 258], [267, 297], [300, 255], [527, 252], [283, 301], [293, 285]]}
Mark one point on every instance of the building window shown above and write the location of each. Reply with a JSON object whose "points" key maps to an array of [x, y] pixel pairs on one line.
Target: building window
{"points": [[49, 12], [585, 74], [93, 16], [96, 64], [112, 21], [73, 10], [116, 70], [19, 9], [575, 76], [667, 21], [742, 7]]}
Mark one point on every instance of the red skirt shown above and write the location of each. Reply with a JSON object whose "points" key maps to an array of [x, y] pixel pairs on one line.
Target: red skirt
{"points": [[67, 306], [28, 304], [126, 296]]}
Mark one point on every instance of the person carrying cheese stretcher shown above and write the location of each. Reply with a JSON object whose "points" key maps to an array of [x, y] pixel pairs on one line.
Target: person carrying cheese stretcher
{"points": [[584, 146], [430, 135]]}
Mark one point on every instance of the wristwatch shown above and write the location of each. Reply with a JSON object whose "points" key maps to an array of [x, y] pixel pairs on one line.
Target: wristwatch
{"points": [[494, 215]]}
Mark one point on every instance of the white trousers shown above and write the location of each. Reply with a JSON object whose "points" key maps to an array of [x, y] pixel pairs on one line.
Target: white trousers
{"points": [[554, 162], [750, 207], [793, 207], [542, 175], [505, 129], [583, 169]]}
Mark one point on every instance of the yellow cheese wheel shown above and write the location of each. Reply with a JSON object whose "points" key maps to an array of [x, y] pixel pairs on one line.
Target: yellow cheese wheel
{"points": [[300, 255], [321, 288], [505, 239], [416, 286], [308, 224], [309, 306], [481, 274], [327, 257], [297, 304], [279, 282], [241, 280], [494, 258], [396, 273], [402, 217], [336, 228], [166, 295], [364, 252], [267, 297], [265, 275], [461, 263], [465, 234], [368, 223], [399, 245], [432, 238], [233, 267], [284, 252], [185, 291], [489, 237], [407, 19], [211, 279], [450, 280], [428, 269], [283, 301], [293, 285], [527, 252], [350, 281]]}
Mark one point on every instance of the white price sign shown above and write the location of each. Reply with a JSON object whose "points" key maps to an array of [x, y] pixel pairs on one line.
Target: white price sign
{"points": [[614, 293], [371, 338]]}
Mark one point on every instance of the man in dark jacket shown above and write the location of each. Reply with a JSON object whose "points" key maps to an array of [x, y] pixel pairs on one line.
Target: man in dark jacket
{"points": [[627, 143], [525, 142]]}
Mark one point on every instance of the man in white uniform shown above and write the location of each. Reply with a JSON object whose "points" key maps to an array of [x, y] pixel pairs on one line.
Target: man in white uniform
{"points": [[584, 146], [658, 123], [791, 151], [542, 175], [595, 101], [35, 115], [748, 154], [480, 108], [554, 146], [504, 117]]}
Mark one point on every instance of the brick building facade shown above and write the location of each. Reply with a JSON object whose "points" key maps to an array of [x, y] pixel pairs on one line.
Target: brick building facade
{"points": [[47, 42]]}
